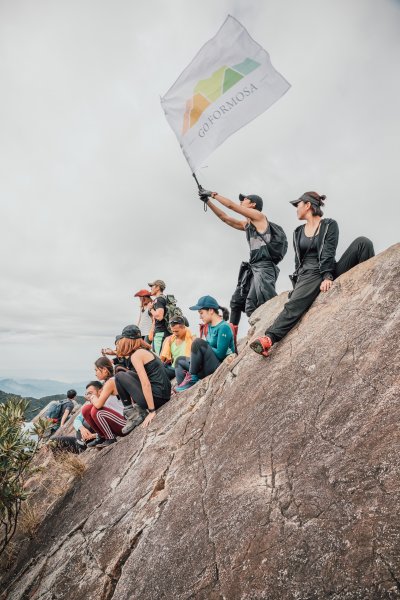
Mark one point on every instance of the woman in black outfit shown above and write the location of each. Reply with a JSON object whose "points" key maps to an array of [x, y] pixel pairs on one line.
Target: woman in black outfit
{"points": [[315, 246], [145, 386]]}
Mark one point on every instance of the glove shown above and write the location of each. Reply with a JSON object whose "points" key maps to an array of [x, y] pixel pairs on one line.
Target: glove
{"points": [[204, 194]]}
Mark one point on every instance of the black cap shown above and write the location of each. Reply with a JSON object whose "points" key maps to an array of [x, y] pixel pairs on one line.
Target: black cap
{"points": [[307, 197], [253, 198], [131, 332], [178, 321]]}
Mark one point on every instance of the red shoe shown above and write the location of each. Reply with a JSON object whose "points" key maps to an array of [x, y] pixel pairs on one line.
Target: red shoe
{"points": [[262, 345]]}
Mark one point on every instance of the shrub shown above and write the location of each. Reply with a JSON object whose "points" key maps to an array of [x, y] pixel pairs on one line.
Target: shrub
{"points": [[17, 449]]}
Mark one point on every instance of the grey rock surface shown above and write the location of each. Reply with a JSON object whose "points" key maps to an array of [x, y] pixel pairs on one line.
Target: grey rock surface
{"points": [[273, 479]]}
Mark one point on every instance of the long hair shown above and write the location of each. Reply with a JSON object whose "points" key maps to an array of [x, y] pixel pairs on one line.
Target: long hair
{"points": [[316, 211], [105, 363], [126, 347]]}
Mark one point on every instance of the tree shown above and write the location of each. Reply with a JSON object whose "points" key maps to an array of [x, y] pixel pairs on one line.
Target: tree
{"points": [[17, 449]]}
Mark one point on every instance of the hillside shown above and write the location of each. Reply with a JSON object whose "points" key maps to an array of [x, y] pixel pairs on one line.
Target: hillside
{"points": [[38, 388], [274, 479], [36, 404]]}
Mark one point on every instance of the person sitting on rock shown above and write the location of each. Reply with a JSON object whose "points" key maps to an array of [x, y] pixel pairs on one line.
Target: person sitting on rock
{"points": [[104, 414], [177, 344], [146, 386], [315, 246], [268, 246], [206, 355]]}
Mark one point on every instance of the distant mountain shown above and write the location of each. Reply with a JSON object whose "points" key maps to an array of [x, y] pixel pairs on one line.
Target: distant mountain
{"points": [[36, 404], [38, 388]]}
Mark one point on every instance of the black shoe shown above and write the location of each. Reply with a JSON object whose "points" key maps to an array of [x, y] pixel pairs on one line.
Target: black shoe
{"points": [[134, 415], [96, 442], [106, 443]]}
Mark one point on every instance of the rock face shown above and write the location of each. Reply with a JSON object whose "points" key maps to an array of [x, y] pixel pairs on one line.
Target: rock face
{"points": [[273, 479]]}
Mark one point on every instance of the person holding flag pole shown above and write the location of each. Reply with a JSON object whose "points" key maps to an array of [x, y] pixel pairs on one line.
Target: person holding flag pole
{"points": [[228, 83], [268, 245]]}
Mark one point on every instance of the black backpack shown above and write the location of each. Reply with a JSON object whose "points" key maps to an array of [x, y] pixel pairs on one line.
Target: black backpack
{"points": [[278, 245], [172, 309]]}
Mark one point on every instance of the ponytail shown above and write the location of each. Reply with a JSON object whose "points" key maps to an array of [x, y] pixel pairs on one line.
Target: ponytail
{"points": [[225, 313]]}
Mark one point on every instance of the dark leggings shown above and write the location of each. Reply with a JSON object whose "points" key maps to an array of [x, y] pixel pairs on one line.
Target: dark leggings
{"points": [[308, 287], [68, 443], [130, 390], [203, 361]]}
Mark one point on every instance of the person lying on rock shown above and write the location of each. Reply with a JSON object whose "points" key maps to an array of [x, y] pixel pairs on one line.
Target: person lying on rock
{"points": [[206, 355], [268, 246], [315, 245], [176, 345], [104, 414], [146, 386]]}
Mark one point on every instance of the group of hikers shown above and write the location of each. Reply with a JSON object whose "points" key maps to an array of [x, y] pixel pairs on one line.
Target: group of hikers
{"points": [[160, 347]]}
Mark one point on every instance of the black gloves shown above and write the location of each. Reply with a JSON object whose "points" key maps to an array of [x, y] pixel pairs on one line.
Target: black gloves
{"points": [[204, 194]]}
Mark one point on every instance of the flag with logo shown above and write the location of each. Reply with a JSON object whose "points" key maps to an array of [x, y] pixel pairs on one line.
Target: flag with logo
{"points": [[229, 82]]}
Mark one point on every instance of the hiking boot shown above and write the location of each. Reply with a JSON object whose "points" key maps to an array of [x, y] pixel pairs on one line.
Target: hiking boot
{"points": [[262, 345], [187, 383], [134, 415], [98, 440], [105, 443]]}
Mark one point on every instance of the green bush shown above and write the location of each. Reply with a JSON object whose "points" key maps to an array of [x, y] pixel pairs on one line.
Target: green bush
{"points": [[17, 450]]}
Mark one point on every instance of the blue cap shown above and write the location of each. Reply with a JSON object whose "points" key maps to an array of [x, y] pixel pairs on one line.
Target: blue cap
{"points": [[205, 302]]}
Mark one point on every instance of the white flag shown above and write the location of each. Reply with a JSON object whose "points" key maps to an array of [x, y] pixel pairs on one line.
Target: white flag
{"points": [[229, 82]]}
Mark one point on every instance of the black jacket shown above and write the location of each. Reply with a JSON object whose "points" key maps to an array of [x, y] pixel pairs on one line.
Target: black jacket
{"points": [[327, 242]]}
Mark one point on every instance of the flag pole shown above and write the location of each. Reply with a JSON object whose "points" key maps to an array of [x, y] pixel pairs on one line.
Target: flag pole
{"points": [[199, 186], [196, 180]]}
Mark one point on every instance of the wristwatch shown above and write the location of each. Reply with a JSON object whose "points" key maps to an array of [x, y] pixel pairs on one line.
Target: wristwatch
{"points": [[151, 410], [328, 276]]}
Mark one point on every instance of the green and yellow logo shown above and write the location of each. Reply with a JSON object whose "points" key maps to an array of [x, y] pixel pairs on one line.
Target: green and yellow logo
{"points": [[209, 90]]}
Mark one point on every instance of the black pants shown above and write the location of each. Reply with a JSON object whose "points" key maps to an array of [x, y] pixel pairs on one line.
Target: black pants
{"points": [[203, 361], [68, 443], [130, 390], [256, 285], [308, 284]]}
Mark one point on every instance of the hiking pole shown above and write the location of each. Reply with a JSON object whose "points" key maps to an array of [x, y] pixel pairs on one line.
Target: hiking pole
{"points": [[199, 186]]}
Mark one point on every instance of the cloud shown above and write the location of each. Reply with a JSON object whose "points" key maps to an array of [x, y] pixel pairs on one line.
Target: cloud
{"points": [[97, 198]]}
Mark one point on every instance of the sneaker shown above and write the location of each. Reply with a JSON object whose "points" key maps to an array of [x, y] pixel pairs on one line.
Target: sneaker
{"points": [[105, 443], [98, 440], [134, 415], [262, 345], [187, 383]]}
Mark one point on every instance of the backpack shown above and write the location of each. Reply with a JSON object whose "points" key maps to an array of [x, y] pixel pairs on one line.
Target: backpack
{"points": [[171, 310], [278, 245], [54, 411]]}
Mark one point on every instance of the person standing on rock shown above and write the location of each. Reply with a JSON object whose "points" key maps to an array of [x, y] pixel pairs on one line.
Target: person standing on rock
{"points": [[145, 321], [268, 246], [158, 312], [315, 246]]}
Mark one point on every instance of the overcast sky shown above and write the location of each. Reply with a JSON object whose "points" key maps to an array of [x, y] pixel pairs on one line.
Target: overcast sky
{"points": [[96, 196]]}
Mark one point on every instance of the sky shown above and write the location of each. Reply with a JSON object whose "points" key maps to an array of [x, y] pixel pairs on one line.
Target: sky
{"points": [[96, 197]]}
